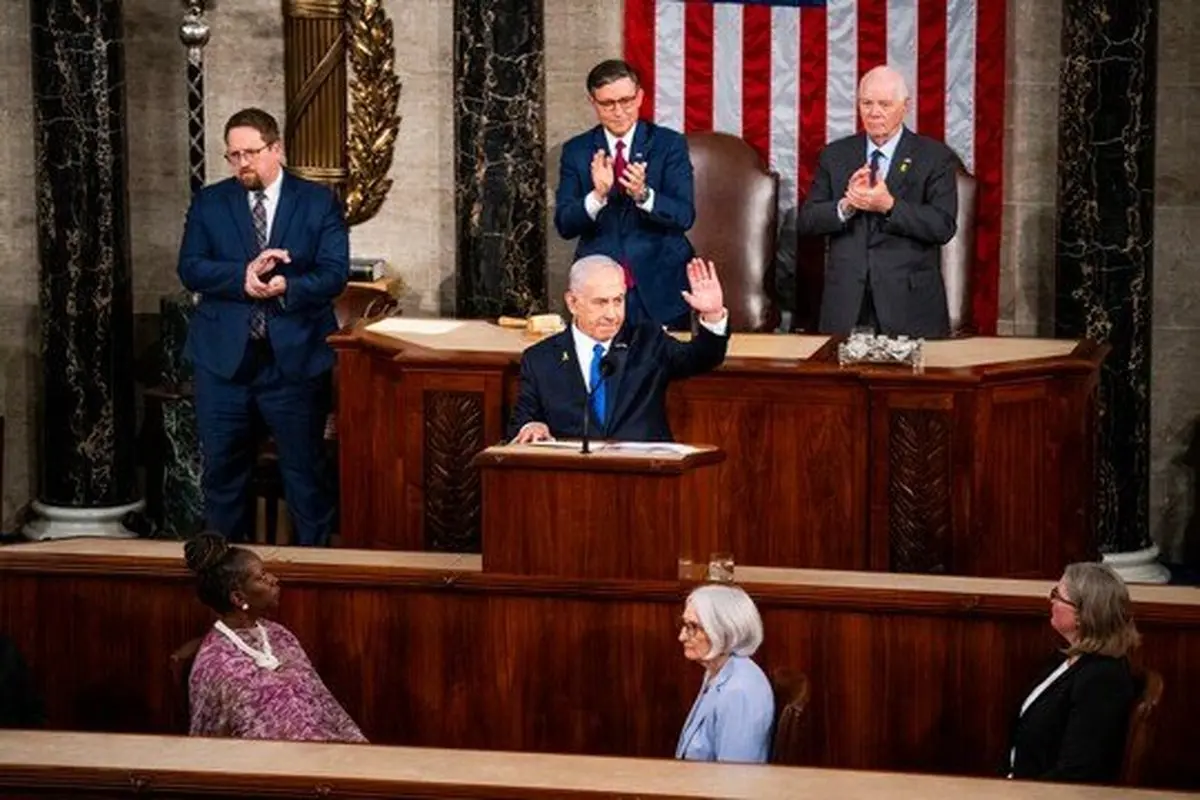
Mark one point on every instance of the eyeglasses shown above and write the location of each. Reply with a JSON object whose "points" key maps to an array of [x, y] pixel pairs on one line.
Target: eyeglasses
{"points": [[236, 156], [626, 103], [1056, 596], [689, 628]]}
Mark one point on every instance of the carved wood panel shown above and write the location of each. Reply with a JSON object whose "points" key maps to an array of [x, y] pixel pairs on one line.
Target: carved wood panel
{"points": [[919, 528], [453, 501]]}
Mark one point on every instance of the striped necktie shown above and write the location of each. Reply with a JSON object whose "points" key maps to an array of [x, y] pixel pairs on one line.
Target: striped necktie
{"points": [[258, 311]]}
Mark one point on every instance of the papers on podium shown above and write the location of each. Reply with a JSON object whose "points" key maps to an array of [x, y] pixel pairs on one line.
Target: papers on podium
{"points": [[647, 448]]}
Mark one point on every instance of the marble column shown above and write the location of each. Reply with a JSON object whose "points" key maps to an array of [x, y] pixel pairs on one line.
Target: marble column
{"points": [[1105, 249], [500, 153], [87, 464]]}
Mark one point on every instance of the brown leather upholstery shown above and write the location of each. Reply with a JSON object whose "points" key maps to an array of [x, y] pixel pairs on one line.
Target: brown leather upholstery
{"points": [[788, 745], [362, 301], [958, 258], [180, 664], [1141, 726], [736, 208]]}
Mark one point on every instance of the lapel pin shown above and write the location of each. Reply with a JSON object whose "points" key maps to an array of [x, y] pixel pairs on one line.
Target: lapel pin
{"points": [[904, 165], [565, 357]]}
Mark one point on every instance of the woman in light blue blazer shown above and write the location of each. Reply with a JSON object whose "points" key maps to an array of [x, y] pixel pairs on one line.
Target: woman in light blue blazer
{"points": [[732, 716]]}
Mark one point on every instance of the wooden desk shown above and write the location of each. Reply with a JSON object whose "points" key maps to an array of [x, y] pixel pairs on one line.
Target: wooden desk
{"points": [[910, 673], [981, 465], [117, 766]]}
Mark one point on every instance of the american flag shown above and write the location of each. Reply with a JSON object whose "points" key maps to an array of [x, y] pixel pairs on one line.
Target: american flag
{"points": [[782, 74]]}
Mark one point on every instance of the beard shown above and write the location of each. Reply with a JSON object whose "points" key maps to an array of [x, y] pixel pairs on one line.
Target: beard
{"points": [[250, 180]]}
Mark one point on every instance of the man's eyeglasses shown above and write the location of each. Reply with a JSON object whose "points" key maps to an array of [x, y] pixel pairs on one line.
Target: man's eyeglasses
{"points": [[689, 628], [236, 156], [626, 103], [1056, 596]]}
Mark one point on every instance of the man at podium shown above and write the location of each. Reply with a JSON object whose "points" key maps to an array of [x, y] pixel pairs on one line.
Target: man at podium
{"points": [[614, 374]]}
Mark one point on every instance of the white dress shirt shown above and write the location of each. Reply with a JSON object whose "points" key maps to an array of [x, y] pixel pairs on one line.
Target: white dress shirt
{"points": [[590, 203], [270, 201]]}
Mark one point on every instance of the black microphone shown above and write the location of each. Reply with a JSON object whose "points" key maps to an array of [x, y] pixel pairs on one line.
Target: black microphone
{"points": [[607, 368]]}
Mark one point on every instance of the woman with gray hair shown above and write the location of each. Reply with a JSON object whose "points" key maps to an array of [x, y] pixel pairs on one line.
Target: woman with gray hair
{"points": [[1072, 726], [732, 716]]}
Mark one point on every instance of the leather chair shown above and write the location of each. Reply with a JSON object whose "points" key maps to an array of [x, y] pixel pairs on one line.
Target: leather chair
{"points": [[180, 663], [792, 694], [958, 258], [359, 301], [1141, 726], [736, 201]]}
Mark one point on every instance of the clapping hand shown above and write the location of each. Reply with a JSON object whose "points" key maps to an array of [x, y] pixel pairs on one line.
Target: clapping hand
{"points": [[633, 180], [861, 195], [704, 292], [602, 174], [265, 262]]}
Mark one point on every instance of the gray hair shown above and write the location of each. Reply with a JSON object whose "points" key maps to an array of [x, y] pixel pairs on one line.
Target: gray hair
{"points": [[884, 71], [1103, 610], [583, 269], [729, 618]]}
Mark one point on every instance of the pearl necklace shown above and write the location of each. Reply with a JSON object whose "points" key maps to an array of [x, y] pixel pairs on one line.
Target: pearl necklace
{"points": [[264, 658]]}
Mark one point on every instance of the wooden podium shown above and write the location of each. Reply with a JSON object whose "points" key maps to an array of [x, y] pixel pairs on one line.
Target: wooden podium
{"points": [[619, 512]]}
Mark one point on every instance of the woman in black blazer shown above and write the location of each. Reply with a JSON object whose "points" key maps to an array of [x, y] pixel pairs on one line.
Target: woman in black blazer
{"points": [[1072, 726]]}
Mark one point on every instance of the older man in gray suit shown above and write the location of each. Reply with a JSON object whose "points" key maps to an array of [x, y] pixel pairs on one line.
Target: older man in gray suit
{"points": [[887, 199]]}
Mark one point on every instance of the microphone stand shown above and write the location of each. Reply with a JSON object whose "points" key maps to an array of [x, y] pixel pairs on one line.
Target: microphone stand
{"points": [[607, 368]]}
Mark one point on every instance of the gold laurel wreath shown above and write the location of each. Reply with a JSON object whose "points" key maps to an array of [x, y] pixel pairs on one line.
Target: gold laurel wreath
{"points": [[374, 97]]}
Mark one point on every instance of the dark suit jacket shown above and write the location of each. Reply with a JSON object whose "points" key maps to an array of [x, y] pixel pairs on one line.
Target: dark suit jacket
{"points": [[654, 245], [218, 243], [900, 253], [646, 359], [1075, 731]]}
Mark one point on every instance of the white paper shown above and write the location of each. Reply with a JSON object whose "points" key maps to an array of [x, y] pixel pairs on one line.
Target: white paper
{"points": [[401, 325], [651, 447]]}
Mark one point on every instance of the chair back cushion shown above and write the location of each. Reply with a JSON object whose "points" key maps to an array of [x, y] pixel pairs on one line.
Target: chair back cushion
{"points": [[1141, 725], [736, 201], [958, 259], [791, 705]]}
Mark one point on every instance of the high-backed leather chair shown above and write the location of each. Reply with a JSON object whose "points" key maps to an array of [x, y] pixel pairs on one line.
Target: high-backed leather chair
{"points": [[736, 199], [792, 693], [180, 664], [958, 258], [1141, 726]]}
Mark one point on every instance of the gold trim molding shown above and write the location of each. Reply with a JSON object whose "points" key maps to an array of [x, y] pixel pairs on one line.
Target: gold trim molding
{"points": [[374, 98], [313, 9]]}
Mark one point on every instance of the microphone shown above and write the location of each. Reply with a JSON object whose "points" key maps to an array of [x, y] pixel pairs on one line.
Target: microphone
{"points": [[607, 368]]}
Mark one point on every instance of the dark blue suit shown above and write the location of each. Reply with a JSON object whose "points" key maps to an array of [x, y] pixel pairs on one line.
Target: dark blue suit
{"points": [[653, 245], [645, 359], [285, 380]]}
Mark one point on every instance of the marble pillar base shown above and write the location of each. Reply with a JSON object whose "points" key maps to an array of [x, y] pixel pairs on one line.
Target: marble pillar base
{"points": [[58, 522], [1139, 566]]}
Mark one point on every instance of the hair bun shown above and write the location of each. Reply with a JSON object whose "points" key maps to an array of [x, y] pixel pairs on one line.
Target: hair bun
{"points": [[205, 551]]}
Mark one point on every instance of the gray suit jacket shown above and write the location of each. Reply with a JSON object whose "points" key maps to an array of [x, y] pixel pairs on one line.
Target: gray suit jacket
{"points": [[899, 253]]}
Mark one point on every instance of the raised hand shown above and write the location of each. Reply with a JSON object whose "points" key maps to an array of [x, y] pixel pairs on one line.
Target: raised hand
{"points": [[704, 292], [602, 174]]}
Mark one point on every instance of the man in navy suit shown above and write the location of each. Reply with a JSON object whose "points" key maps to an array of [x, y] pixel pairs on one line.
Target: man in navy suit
{"points": [[887, 198], [267, 253], [610, 369], [625, 190]]}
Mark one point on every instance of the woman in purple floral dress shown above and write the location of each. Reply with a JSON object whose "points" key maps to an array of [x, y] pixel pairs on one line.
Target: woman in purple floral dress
{"points": [[251, 679]]}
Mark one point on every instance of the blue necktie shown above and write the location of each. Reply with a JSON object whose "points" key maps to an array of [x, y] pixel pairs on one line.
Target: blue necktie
{"points": [[875, 156], [597, 384]]}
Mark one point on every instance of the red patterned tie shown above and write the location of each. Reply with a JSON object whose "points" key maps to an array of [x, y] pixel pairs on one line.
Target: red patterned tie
{"points": [[619, 164]]}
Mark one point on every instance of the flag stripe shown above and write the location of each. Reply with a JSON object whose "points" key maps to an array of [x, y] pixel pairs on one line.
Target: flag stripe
{"points": [[931, 71], [989, 161], [757, 96], [841, 68], [668, 63], [727, 68], [902, 50], [813, 93], [872, 39], [640, 46], [698, 67], [960, 79]]}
